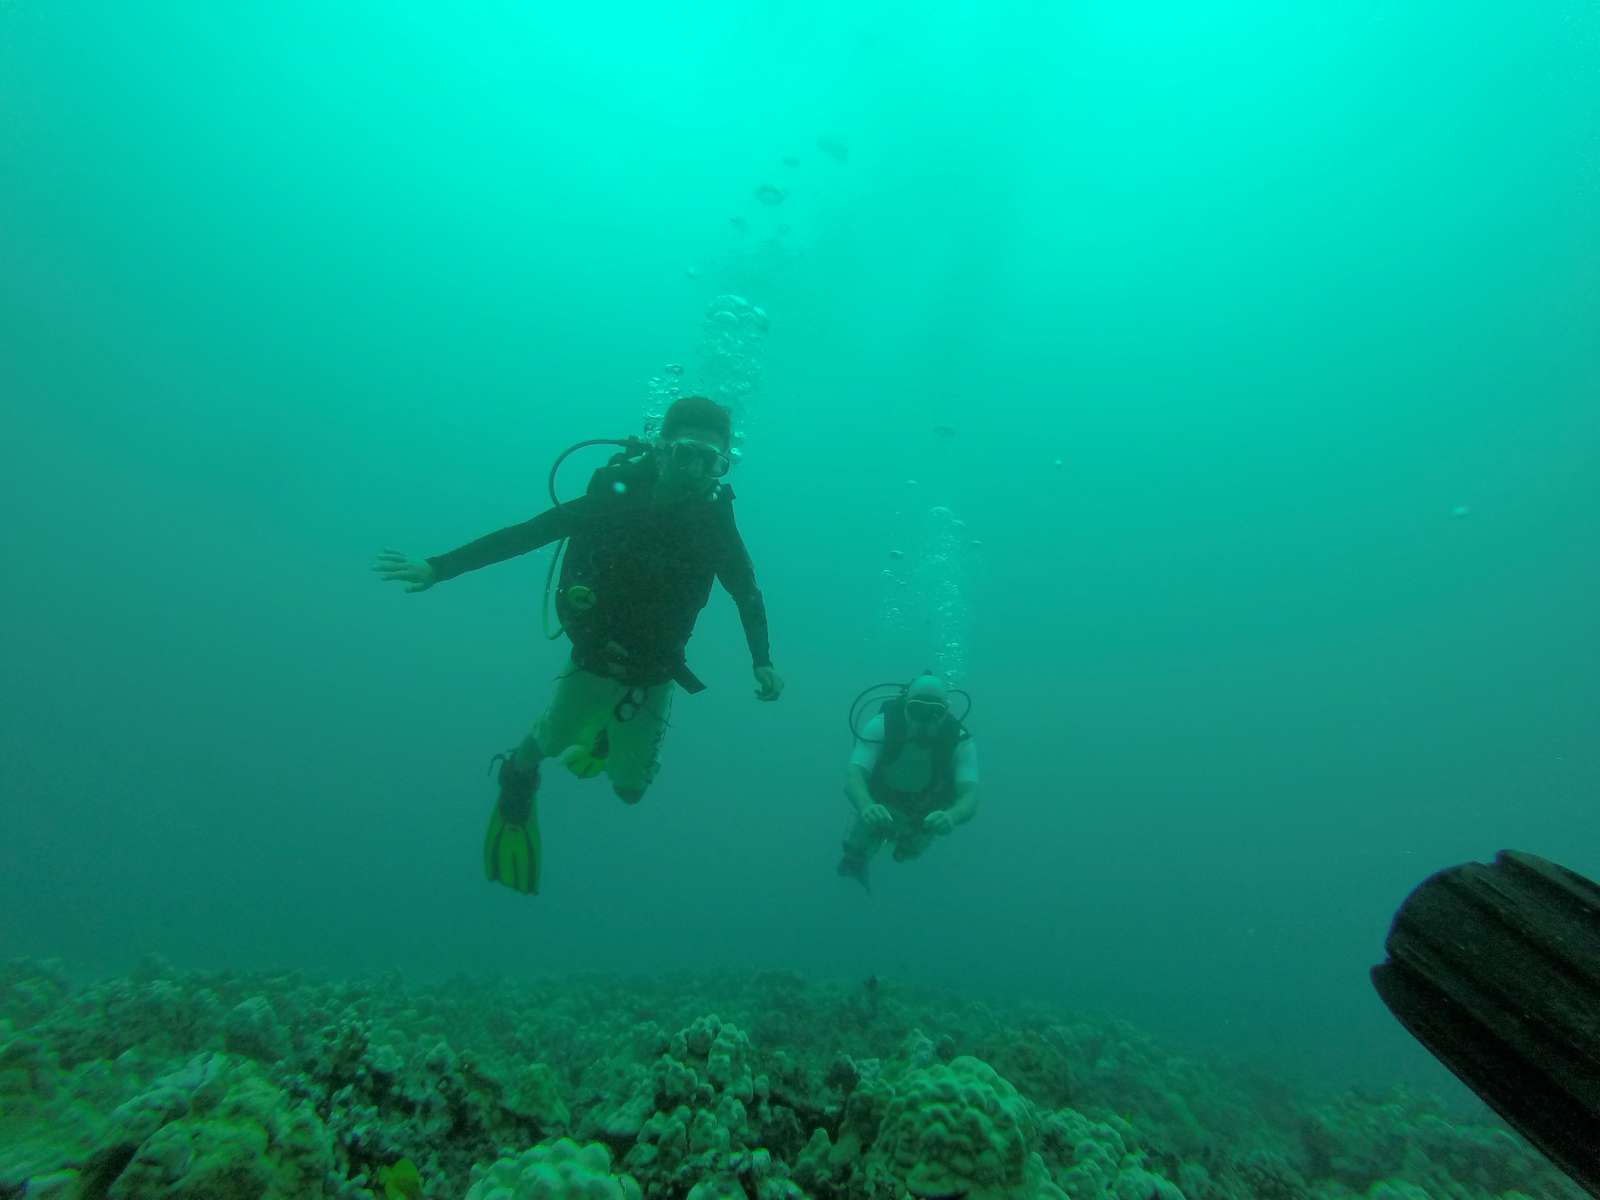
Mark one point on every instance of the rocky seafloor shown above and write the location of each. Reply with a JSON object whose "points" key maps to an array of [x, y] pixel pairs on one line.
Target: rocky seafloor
{"points": [[712, 1086]]}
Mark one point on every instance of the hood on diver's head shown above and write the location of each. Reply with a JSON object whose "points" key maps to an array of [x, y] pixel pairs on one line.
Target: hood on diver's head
{"points": [[699, 412]]}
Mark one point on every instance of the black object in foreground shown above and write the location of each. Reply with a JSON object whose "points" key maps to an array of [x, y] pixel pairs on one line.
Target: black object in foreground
{"points": [[1495, 968]]}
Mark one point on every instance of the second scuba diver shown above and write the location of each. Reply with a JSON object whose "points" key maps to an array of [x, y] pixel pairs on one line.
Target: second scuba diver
{"points": [[913, 776], [645, 543]]}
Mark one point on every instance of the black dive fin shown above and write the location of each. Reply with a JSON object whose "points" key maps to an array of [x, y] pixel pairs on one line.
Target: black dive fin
{"points": [[1496, 969]]}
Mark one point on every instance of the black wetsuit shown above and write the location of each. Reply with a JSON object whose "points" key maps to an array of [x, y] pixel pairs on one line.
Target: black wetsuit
{"points": [[648, 563]]}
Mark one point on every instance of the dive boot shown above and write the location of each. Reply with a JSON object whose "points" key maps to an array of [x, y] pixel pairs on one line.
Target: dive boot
{"points": [[511, 846], [587, 758]]}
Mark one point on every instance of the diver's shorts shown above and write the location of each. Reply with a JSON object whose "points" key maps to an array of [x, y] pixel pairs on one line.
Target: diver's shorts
{"points": [[635, 721]]}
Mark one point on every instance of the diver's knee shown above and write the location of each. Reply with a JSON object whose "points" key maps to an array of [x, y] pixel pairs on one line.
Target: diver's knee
{"points": [[628, 795]]}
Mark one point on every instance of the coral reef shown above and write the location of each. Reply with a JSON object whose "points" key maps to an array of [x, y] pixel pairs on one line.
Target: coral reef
{"points": [[561, 1170], [719, 1086]]}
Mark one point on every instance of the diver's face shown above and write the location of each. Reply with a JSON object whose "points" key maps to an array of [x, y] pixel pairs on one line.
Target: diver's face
{"points": [[693, 459], [924, 714]]}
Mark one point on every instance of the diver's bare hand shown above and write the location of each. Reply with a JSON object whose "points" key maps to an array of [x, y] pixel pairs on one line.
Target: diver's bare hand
{"points": [[769, 684], [417, 574], [877, 817], [938, 821]]}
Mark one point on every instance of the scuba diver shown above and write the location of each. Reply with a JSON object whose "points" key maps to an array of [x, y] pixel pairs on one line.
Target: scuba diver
{"points": [[644, 543], [913, 774]]}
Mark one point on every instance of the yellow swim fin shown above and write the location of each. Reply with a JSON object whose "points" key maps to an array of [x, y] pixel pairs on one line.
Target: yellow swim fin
{"points": [[511, 853], [511, 845]]}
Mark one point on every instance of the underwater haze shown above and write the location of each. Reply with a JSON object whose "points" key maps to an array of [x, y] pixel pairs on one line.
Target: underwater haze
{"points": [[1211, 391]]}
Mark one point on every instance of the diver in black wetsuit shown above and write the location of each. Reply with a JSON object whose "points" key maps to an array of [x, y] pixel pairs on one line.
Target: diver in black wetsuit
{"points": [[645, 544]]}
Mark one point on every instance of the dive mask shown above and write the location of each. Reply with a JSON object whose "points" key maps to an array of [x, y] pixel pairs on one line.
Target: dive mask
{"points": [[686, 454]]}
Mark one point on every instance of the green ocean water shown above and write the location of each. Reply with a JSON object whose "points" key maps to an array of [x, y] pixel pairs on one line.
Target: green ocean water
{"points": [[1212, 389]]}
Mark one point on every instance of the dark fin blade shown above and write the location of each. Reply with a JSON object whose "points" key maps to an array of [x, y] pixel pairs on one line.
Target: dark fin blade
{"points": [[1496, 969]]}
